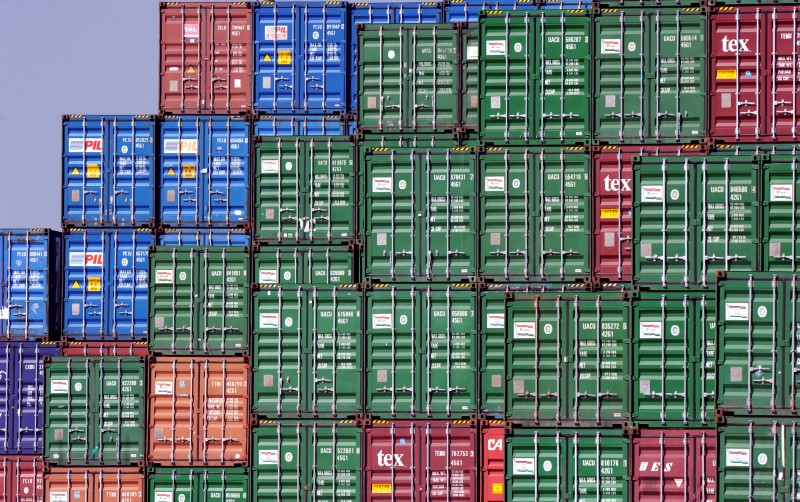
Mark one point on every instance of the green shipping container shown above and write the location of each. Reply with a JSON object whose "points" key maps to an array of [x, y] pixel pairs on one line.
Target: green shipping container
{"points": [[94, 411], [780, 217], [650, 75], [536, 77], [419, 214], [305, 190], [307, 354], [534, 214], [408, 77], [421, 351], [199, 301], [190, 484], [307, 461], [674, 375], [288, 266]]}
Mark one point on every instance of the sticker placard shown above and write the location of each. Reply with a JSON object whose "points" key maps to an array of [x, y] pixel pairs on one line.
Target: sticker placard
{"points": [[59, 386], [609, 213], [525, 330], [94, 285], [650, 329], [726, 74]]}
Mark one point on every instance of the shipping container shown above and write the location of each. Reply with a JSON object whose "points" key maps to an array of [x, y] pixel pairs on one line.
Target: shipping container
{"points": [[287, 266], [204, 171], [554, 464], [780, 213], [106, 283], [368, 142], [303, 125], [673, 350], [409, 460], [200, 301], [97, 349], [612, 207], [94, 411], [469, 81], [109, 170], [22, 479], [206, 63], [534, 214], [182, 236], [94, 484], [653, 3], [307, 354], [650, 75], [468, 11], [754, 67], [305, 190], [408, 78], [674, 464], [536, 77], [198, 411], [307, 460], [419, 214], [301, 57], [197, 484], [22, 396], [421, 355], [30, 283]]}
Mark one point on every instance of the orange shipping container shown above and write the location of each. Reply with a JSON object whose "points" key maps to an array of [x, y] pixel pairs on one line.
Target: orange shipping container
{"points": [[199, 411], [94, 484]]}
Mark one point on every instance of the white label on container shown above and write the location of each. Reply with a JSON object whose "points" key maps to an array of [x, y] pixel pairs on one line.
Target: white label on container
{"points": [[59, 497], [737, 312], [267, 457], [781, 193], [472, 52], [652, 194], [237, 83], [737, 457], [495, 47], [165, 277], [85, 145], [276, 33], [524, 466], [164, 388], [268, 276], [269, 321], [525, 330], [4, 313], [191, 30], [495, 321], [610, 46], [494, 184], [270, 166], [381, 321], [382, 185], [162, 497], [650, 329], [495, 102], [59, 386]]}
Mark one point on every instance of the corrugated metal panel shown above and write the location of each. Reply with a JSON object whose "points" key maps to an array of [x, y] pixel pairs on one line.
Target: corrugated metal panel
{"points": [[204, 237], [22, 479], [197, 484], [290, 265], [97, 349], [94, 484], [780, 214], [302, 125], [467, 11]]}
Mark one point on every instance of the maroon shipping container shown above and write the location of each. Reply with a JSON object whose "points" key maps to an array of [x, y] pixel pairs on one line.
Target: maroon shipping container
{"points": [[206, 58], [94, 484], [421, 460], [493, 460], [23, 478], [611, 210], [99, 349], [754, 73], [199, 413], [674, 464]]}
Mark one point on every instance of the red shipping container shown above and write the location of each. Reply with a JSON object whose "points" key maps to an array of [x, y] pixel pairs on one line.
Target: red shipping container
{"points": [[94, 484], [421, 460], [493, 470], [98, 349], [23, 478], [754, 73], [612, 206], [674, 464], [206, 58], [199, 411]]}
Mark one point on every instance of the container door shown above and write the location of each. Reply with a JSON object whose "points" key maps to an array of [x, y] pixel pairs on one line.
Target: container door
{"points": [[181, 168], [129, 283], [23, 479], [392, 462], [70, 486], [69, 427], [596, 463], [333, 461], [276, 266], [448, 460], [382, 81], [29, 395], [9, 358], [611, 214], [172, 420], [792, 302], [117, 484], [470, 76], [366, 13], [331, 177], [221, 484], [222, 303], [132, 171], [323, 35], [782, 68], [279, 471], [781, 215], [223, 408], [434, 96], [228, 44], [758, 462], [332, 266], [279, 187], [278, 59], [172, 305], [84, 167], [85, 290], [493, 462], [182, 66], [25, 302], [120, 400], [493, 354], [164, 484], [227, 179]]}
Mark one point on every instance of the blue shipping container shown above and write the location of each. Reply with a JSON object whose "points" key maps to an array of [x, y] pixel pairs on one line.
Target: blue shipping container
{"points": [[108, 170], [22, 395], [30, 283], [302, 125], [106, 284], [301, 58], [204, 237], [205, 178]]}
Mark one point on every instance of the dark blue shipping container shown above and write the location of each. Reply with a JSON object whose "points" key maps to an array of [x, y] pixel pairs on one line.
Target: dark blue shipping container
{"points": [[205, 178], [30, 283], [108, 170], [303, 125], [301, 57], [22, 395], [106, 284], [204, 237], [466, 11]]}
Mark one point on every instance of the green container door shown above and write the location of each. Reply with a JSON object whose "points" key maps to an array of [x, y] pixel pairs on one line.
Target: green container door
{"points": [[288, 266], [650, 75], [534, 214], [307, 357], [780, 216], [566, 464], [420, 214], [470, 77], [190, 484], [408, 78], [199, 301], [94, 411], [305, 190], [296, 458], [492, 331], [421, 352], [674, 359]]}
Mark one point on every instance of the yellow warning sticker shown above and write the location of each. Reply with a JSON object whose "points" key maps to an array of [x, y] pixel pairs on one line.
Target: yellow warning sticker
{"points": [[612, 212], [94, 285], [75, 285], [497, 488], [726, 74], [75, 171], [190, 70], [92, 171], [171, 172], [267, 58], [284, 57], [381, 488], [187, 171]]}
